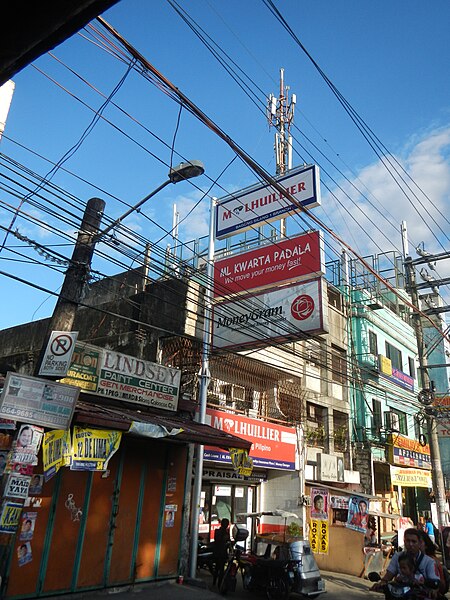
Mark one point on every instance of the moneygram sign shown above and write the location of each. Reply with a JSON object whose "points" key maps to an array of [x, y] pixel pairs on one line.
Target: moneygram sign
{"points": [[123, 377], [277, 315], [297, 258], [262, 203]]}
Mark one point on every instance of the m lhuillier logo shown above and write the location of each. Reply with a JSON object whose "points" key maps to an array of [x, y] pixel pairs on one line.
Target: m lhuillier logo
{"points": [[302, 307], [254, 315]]}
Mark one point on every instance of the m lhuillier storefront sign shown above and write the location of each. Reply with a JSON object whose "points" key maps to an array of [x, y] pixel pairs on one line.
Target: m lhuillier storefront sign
{"points": [[262, 203], [123, 377], [292, 259], [275, 315], [273, 446]]}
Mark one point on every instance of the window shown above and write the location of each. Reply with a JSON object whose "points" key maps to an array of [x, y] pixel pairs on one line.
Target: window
{"points": [[396, 421], [373, 343], [377, 415], [338, 364], [412, 367], [395, 355]]}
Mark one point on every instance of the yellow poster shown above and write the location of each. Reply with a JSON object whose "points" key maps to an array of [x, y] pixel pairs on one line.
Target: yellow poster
{"points": [[241, 461], [318, 536], [92, 448], [56, 451]]}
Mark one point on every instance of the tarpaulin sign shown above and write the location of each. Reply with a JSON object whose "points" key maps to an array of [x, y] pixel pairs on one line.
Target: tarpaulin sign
{"points": [[56, 451], [10, 516], [17, 486], [323, 537], [314, 535], [358, 514], [92, 448]]}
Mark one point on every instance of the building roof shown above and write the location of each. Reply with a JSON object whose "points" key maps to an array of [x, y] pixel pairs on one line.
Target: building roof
{"points": [[170, 426], [32, 28]]}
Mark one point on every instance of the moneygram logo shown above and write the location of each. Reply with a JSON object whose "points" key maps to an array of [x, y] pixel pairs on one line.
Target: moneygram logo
{"points": [[302, 307]]}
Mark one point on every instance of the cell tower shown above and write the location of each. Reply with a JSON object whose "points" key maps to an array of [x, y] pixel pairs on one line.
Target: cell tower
{"points": [[280, 114]]}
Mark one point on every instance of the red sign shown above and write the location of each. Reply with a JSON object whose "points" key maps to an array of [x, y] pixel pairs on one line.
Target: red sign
{"points": [[292, 259], [273, 446]]}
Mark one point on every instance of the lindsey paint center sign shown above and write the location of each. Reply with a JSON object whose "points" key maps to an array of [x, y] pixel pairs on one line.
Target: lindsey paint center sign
{"points": [[280, 314], [115, 375], [297, 258], [262, 203], [273, 446]]}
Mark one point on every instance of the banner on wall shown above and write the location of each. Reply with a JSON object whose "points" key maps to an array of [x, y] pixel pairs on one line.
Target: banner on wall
{"points": [[411, 477], [10, 516], [241, 461], [92, 448], [318, 536], [319, 504], [56, 451], [358, 514]]}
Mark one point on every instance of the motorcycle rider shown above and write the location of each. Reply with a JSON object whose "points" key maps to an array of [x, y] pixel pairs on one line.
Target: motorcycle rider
{"points": [[423, 564]]}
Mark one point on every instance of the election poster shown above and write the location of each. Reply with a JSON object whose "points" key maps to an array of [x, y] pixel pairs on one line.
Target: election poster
{"points": [[26, 446], [318, 536], [10, 516], [28, 524], [92, 448], [319, 504], [56, 451], [17, 486], [24, 554], [358, 514]]}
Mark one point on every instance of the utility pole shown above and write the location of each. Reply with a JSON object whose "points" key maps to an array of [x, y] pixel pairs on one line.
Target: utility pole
{"points": [[426, 395], [280, 114], [76, 275]]}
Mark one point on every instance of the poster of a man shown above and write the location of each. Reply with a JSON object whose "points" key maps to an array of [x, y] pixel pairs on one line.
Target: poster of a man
{"points": [[24, 554], [319, 504], [28, 523], [358, 514]]}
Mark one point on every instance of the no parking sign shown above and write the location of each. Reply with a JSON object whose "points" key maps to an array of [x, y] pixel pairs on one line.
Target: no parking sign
{"points": [[58, 354]]}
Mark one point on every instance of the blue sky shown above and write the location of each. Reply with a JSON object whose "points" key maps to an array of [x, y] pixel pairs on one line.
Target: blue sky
{"points": [[388, 59]]}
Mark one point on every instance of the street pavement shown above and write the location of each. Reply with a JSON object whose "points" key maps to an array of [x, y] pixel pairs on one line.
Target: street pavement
{"points": [[339, 587]]}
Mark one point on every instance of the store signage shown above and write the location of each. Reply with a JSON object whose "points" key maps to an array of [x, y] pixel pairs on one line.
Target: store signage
{"points": [[228, 475], [393, 374], [278, 315], [273, 446], [123, 377], [262, 203], [409, 453], [300, 257], [327, 467], [39, 401], [58, 354], [411, 477]]}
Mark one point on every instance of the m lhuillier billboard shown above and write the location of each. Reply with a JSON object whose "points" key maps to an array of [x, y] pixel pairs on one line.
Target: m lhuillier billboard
{"points": [[276, 315], [297, 258], [262, 203]]}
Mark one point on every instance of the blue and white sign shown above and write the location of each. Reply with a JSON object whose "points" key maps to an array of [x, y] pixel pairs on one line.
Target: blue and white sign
{"points": [[262, 203]]}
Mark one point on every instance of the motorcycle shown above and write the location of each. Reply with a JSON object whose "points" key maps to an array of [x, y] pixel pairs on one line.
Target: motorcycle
{"points": [[393, 590], [232, 567], [205, 557], [266, 574]]}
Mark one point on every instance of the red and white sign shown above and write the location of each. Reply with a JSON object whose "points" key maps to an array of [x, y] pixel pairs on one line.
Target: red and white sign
{"points": [[300, 257], [273, 446], [279, 314]]}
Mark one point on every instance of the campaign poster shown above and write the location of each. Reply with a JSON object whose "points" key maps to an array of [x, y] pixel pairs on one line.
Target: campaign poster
{"points": [[169, 515], [26, 445], [56, 451], [319, 504], [24, 554], [358, 514], [28, 524], [92, 448], [36, 483], [10, 516], [17, 486], [323, 537], [314, 535]]}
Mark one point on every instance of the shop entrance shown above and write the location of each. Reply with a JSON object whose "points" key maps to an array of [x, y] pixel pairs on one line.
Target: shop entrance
{"points": [[224, 500]]}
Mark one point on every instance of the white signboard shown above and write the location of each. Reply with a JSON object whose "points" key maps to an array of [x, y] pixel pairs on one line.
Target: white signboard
{"points": [[39, 401], [262, 203], [280, 314], [17, 486], [327, 467], [58, 354]]}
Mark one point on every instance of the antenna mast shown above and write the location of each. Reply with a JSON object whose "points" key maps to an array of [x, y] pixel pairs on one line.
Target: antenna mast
{"points": [[280, 114]]}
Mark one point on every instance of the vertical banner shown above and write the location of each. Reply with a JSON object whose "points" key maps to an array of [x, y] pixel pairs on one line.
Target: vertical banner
{"points": [[358, 514], [318, 536], [319, 504], [56, 451], [323, 537]]}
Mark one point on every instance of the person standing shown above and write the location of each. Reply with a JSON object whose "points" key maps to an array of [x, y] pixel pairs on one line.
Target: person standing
{"points": [[429, 529], [220, 550]]}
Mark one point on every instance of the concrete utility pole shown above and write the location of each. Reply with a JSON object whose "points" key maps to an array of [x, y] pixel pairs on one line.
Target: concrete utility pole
{"points": [[426, 395], [76, 275]]}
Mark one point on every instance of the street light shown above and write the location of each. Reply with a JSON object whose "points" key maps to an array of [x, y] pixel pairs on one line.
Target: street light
{"points": [[183, 171]]}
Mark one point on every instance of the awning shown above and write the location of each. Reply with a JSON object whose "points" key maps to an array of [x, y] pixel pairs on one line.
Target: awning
{"points": [[175, 427]]}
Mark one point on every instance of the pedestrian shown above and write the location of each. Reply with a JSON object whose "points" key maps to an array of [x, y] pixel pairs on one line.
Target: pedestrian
{"points": [[429, 529], [220, 550]]}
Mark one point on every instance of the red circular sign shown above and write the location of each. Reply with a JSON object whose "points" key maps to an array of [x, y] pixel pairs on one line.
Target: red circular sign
{"points": [[302, 307]]}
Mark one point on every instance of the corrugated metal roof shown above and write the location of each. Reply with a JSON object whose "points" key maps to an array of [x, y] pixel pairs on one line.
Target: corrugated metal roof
{"points": [[97, 415]]}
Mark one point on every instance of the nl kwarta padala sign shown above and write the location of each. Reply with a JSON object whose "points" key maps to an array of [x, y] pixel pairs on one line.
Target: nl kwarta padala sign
{"points": [[114, 375]]}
